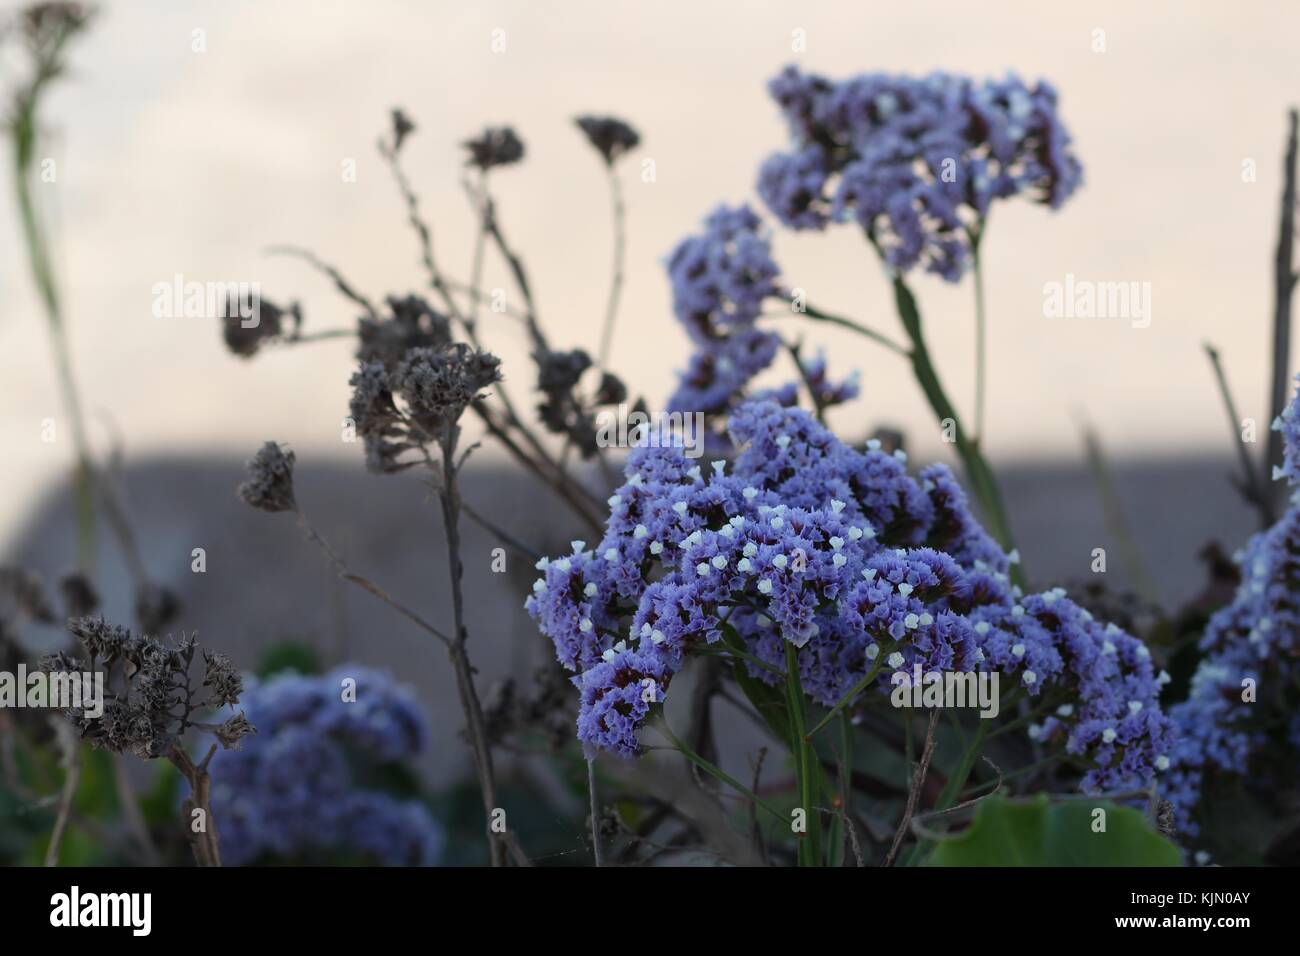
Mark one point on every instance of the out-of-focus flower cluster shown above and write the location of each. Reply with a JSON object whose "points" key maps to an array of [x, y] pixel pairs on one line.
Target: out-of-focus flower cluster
{"points": [[916, 161], [721, 279], [804, 541], [290, 792], [150, 700], [1253, 642]]}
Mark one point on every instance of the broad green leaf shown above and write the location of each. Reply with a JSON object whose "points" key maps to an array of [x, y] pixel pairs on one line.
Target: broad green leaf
{"points": [[1039, 833]]}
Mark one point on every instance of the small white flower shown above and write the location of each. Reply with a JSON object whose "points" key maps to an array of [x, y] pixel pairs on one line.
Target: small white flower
{"points": [[873, 444], [905, 589], [911, 621], [646, 629], [656, 636], [836, 542], [590, 589], [694, 473], [1035, 731], [1134, 706], [1143, 651], [1163, 678], [765, 586], [609, 656], [1108, 735], [1029, 677], [542, 563], [611, 555], [836, 506], [727, 531], [737, 522], [780, 561], [783, 442], [749, 550], [1202, 857], [578, 546], [640, 531], [777, 521], [1018, 650], [895, 660], [1014, 556], [839, 560], [1162, 762], [562, 564], [539, 586], [743, 565], [981, 627], [719, 561], [585, 625], [855, 533], [719, 466], [869, 574], [1107, 647], [680, 507], [656, 547], [927, 619], [614, 501], [872, 652], [900, 455], [1065, 710], [702, 569], [750, 494], [869, 532], [1017, 611]]}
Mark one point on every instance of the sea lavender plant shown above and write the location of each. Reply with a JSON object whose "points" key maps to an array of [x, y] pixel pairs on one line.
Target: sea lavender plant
{"points": [[292, 792], [820, 565], [1242, 694]]}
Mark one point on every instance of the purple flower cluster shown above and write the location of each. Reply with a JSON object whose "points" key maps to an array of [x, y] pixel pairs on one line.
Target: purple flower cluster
{"points": [[805, 541], [915, 161], [1254, 642], [721, 279], [289, 791]]}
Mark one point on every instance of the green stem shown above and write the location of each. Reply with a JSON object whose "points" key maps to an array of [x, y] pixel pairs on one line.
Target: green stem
{"points": [[24, 133], [980, 336], [716, 772], [810, 843], [858, 688], [983, 485]]}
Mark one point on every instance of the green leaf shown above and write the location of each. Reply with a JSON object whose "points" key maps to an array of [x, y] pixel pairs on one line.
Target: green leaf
{"points": [[1039, 833]]}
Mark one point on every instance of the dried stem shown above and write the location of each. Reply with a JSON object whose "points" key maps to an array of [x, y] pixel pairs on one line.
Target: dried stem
{"points": [[914, 792], [620, 250], [1250, 485], [71, 748], [1284, 282], [203, 840]]}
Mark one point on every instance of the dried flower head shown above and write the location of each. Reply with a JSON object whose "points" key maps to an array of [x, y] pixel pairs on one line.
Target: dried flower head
{"points": [[79, 596], [402, 128], [413, 324], [150, 700], [270, 480], [25, 589], [155, 607], [611, 136], [439, 384], [247, 323], [496, 146]]}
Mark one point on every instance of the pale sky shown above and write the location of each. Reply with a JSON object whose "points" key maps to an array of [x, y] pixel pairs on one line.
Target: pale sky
{"points": [[173, 161]]}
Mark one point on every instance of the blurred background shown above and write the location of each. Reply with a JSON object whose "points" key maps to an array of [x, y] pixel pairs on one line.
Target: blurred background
{"points": [[175, 160]]}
